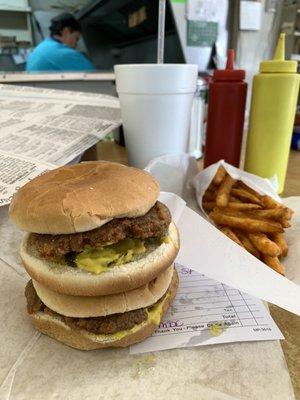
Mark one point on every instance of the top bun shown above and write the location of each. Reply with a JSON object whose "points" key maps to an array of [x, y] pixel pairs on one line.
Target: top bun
{"points": [[83, 197]]}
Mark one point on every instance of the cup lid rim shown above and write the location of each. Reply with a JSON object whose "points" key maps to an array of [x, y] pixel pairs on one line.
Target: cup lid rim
{"points": [[153, 65]]}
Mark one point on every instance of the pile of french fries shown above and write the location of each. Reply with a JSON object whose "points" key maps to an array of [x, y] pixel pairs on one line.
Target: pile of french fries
{"points": [[255, 222]]}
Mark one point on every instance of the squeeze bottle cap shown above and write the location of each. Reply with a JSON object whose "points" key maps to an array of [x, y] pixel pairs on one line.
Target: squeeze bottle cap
{"points": [[279, 64], [229, 74]]}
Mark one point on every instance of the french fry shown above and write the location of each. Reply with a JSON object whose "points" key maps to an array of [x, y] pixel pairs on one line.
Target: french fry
{"points": [[243, 186], [285, 223], [244, 214], [243, 206], [244, 223], [275, 213], [246, 196], [234, 199], [212, 188], [274, 263], [262, 215], [228, 232], [225, 187], [264, 244], [289, 213], [254, 221], [247, 244], [220, 175], [209, 205], [209, 196], [279, 239], [268, 202]]}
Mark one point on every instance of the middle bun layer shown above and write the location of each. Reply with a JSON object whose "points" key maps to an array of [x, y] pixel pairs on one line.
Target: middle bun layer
{"points": [[98, 306]]}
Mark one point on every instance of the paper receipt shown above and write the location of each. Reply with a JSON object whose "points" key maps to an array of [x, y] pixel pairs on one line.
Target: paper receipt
{"points": [[206, 312]]}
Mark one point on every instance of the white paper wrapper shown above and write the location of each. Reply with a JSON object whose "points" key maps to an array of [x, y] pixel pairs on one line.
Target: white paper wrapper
{"points": [[175, 174], [203, 179], [291, 261]]}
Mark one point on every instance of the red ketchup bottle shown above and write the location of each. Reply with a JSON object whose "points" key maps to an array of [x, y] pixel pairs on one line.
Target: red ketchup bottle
{"points": [[226, 108]]}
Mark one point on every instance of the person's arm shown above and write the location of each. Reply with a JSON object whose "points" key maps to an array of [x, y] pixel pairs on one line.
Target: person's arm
{"points": [[81, 63], [72, 60]]}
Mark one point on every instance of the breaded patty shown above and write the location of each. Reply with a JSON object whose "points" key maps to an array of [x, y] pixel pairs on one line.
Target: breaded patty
{"points": [[153, 224]]}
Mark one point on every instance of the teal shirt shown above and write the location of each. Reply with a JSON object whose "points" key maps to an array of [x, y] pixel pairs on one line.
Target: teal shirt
{"points": [[52, 55]]}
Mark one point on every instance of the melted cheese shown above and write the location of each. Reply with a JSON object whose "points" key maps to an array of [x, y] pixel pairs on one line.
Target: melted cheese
{"points": [[103, 259], [99, 260]]}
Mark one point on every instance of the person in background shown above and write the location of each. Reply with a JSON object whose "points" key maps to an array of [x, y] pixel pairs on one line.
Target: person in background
{"points": [[57, 52]]}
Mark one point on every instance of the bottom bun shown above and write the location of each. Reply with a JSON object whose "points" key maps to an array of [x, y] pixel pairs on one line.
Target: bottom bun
{"points": [[54, 327]]}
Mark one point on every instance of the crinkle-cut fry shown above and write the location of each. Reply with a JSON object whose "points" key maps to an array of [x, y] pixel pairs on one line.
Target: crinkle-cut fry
{"points": [[243, 206], [268, 202], [223, 193], [247, 244], [279, 239], [265, 245], [274, 263], [209, 196], [228, 232], [246, 196], [244, 223], [220, 175], [209, 205]]}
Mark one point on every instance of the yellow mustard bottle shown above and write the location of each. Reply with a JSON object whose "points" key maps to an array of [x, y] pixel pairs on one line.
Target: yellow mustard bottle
{"points": [[273, 106]]}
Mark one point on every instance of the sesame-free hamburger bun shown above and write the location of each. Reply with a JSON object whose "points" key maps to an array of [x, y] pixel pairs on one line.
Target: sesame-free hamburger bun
{"points": [[82, 197]]}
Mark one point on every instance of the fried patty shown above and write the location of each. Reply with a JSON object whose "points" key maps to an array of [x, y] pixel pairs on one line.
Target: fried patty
{"points": [[98, 325], [153, 224]]}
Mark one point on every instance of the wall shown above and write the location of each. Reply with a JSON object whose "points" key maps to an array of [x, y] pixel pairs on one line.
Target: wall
{"points": [[67, 5], [201, 55], [255, 46]]}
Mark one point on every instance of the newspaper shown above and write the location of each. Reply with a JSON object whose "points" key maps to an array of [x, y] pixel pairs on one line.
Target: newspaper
{"points": [[41, 129]]}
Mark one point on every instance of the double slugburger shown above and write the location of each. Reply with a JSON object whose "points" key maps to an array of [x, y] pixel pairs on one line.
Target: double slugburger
{"points": [[100, 252]]}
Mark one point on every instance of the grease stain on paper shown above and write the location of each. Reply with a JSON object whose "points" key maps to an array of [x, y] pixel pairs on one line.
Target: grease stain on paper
{"points": [[217, 328], [144, 365]]}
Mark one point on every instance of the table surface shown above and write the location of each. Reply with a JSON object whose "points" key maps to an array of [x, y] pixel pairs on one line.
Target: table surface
{"points": [[288, 323]]}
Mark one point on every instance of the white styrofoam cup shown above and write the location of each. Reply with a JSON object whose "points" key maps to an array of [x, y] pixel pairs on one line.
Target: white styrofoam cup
{"points": [[156, 101]]}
